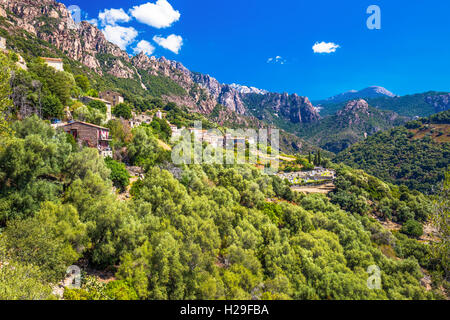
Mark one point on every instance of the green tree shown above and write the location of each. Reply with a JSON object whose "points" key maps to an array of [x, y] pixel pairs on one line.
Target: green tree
{"points": [[83, 82], [52, 107], [99, 105], [6, 67], [412, 228], [119, 173], [441, 221], [52, 240], [20, 281], [92, 93], [122, 110]]}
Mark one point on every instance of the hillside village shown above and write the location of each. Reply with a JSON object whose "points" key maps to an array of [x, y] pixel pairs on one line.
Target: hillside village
{"points": [[88, 182], [96, 136]]}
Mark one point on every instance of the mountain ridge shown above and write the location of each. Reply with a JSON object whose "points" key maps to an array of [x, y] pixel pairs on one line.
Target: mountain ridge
{"points": [[353, 123], [52, 22], [369, 92]]}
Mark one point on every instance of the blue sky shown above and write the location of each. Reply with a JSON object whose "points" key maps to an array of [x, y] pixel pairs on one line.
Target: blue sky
{"points": [[238, 41]]}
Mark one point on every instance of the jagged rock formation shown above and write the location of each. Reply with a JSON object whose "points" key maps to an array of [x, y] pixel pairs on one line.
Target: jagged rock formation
{"points": [[52, 22], [297, 109], [246, 90], [354, 122]]}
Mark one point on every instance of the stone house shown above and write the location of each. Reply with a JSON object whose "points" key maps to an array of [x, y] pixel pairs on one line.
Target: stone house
{"points": [[139, 119], [113, 97], [55, 63], [90, 135]]}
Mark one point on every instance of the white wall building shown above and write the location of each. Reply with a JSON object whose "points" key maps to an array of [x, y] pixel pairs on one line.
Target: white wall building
{"points": [[55, 63], [2, 43]]}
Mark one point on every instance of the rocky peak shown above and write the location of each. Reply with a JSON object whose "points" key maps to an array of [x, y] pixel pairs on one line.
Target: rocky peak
{"points": [[142, 61], [370, 92], [52, 22], [355, 106], [294, 107], [247, 90]]}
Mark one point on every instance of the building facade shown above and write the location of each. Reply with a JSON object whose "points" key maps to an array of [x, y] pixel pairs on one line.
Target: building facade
{"points": [[55, 63], [2, 43], [90, 135], [113, 97]]}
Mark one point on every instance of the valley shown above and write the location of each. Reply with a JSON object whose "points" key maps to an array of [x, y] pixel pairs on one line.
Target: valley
{"points": [[90, 178]]}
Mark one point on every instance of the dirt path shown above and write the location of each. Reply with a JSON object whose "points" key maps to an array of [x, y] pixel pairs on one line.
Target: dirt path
{"points": [[323, 189]]}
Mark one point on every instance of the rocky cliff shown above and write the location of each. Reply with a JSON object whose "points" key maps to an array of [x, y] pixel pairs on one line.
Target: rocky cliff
{"points": [[354, 122], [51, 21]]}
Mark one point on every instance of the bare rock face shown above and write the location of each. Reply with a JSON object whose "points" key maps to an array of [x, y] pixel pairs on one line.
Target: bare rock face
{"points": [[119, 70], [142, 61], [353, 111], [231, 98], [355, 106], [293, 107], [52, 22]]}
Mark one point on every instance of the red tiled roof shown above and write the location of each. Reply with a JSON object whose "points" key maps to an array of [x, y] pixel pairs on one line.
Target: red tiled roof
{"points": [[52, 59]]}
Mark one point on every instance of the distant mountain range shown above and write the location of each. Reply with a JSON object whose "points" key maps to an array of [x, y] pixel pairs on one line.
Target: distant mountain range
{"points": [[47, 29], [416, 105], [370, 92], [353, 123], [50, 21]]}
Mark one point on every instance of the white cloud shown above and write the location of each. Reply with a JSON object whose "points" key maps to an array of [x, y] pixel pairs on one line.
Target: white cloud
{"points": [[93, 21], [172, 42], [277, 59], [159, 15], [325, 47], [112, 16], [144, 46], [120, 36]]}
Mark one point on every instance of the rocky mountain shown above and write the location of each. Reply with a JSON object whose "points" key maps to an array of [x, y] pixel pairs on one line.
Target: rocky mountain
{"points": [[51, 22], [370, 92], [415, 105], [440, 102], [416, 155], [289, 112], [246, 90], [355, 122]]}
